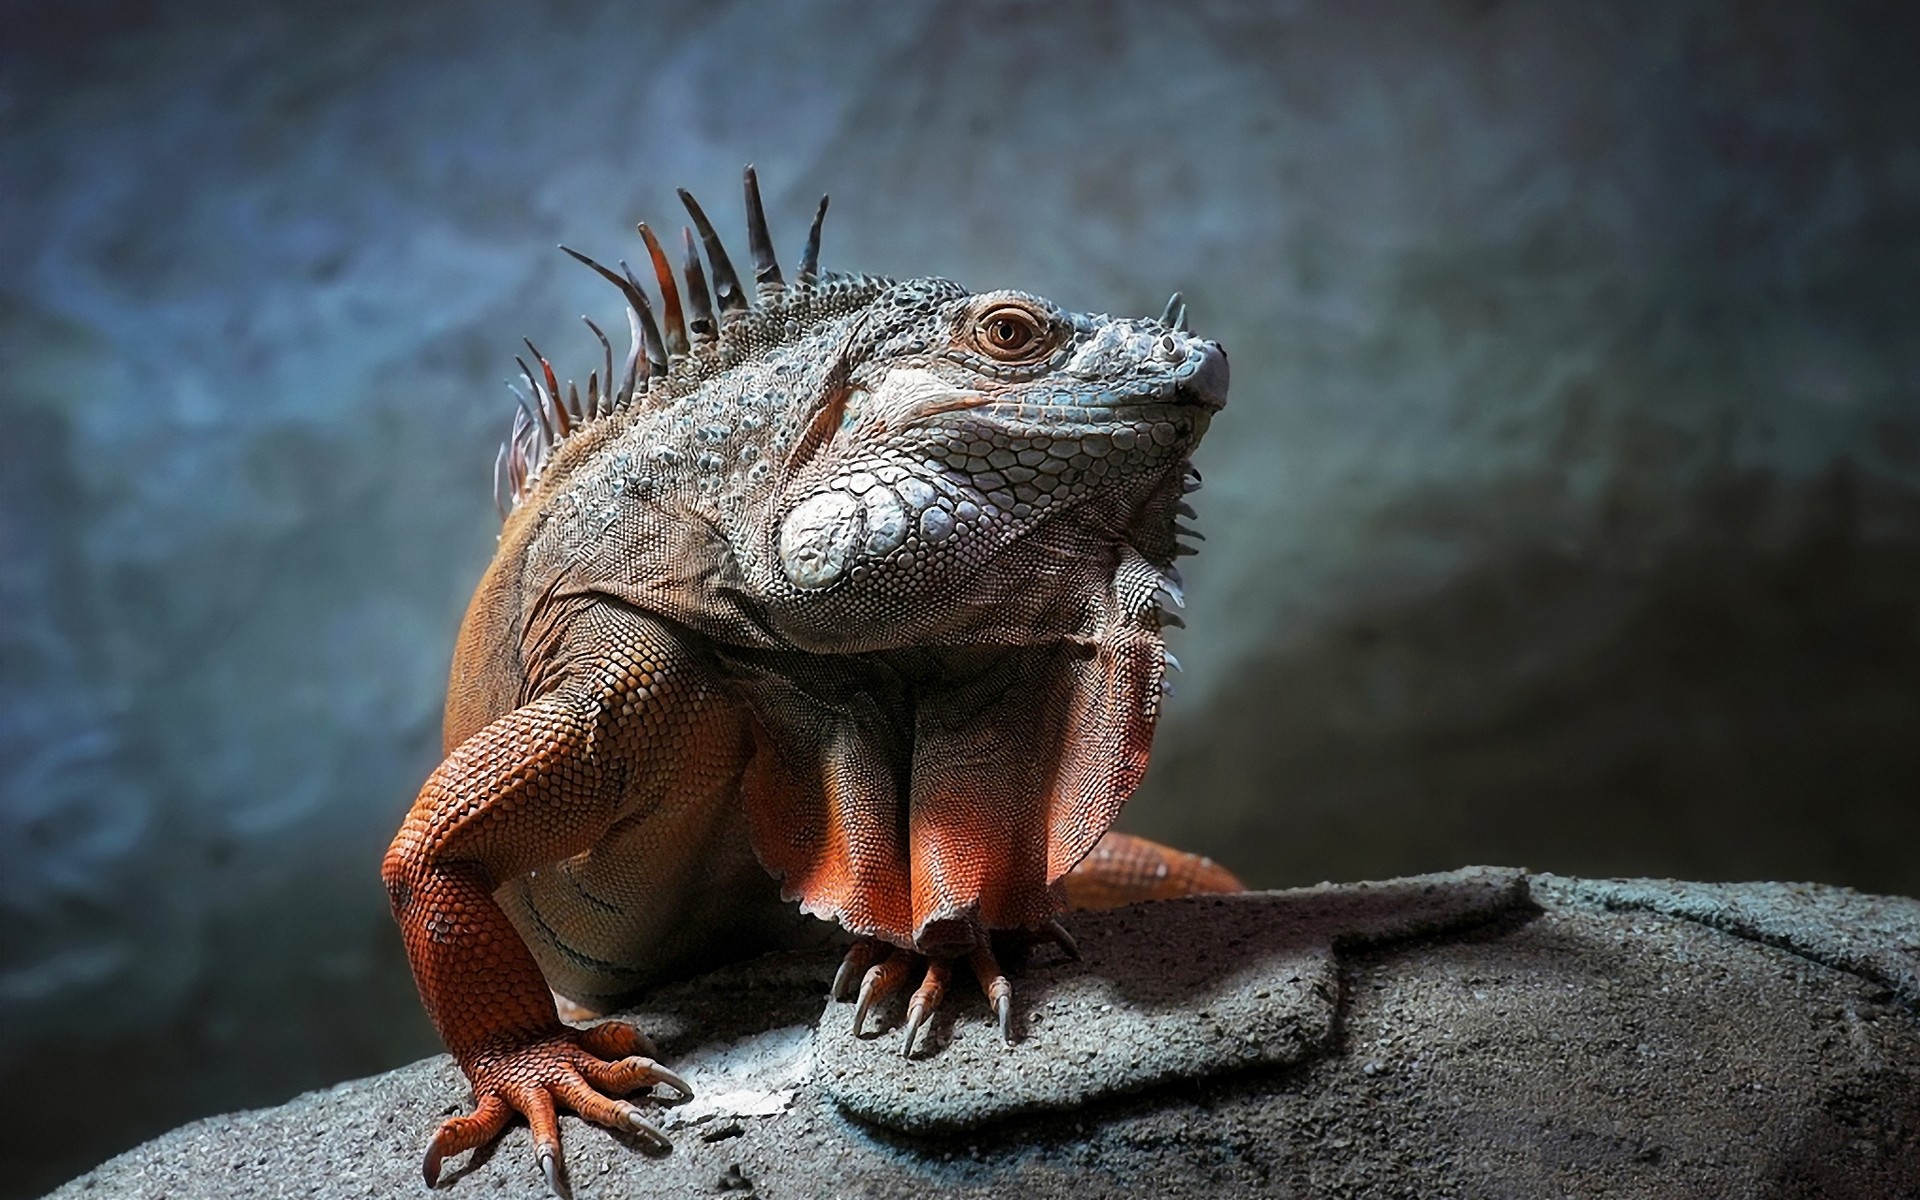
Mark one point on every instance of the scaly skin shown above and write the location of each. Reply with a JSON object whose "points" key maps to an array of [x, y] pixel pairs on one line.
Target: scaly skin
{"points": [[1124, 869], [859, 585]]}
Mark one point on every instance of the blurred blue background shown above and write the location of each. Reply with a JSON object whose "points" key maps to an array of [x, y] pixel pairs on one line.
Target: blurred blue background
{"points": [[1567, 512]]}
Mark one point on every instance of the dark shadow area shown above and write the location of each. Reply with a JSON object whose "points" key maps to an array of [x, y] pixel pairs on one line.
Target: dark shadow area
{"points": [[1737, 703], [1175, 990], [254, 1042], [1861, 1143], [1246, 930]]}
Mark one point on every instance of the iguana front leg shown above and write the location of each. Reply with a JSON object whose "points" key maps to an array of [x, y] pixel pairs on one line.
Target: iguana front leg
{"points": [[1123, 869], [537, 785]]}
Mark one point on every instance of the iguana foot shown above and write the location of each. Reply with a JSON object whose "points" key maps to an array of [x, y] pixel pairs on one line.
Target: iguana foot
{"points": [[578, 1068], [886, 968]]}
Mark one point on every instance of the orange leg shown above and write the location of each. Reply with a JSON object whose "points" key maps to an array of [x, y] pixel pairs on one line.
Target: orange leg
{"points": [[529, 789], [1123, 869]]}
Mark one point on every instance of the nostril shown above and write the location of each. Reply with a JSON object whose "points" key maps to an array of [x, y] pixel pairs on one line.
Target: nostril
{"points": [[1209, 382]]}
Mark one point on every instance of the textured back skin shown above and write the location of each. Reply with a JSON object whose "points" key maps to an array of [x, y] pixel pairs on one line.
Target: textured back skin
{"points": [[927, 573]]}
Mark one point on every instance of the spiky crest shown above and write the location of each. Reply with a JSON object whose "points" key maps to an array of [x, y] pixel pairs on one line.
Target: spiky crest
{"points": [[694, 348]]}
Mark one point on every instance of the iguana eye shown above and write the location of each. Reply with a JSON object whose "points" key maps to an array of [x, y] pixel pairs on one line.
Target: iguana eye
{"points": [[1010, 334]]}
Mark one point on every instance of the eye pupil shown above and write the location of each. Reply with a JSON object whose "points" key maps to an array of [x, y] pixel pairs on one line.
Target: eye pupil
{"points": [[1010, 335]]}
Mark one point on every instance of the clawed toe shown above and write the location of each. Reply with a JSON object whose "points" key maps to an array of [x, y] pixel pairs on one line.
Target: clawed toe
{"points": [[1058, 935], [568, 1067], [861, 955], [554, 1172], [616, 1039], [637, 1121], [659, 1074], [926, 998], [883, 969], [999, 989], [457, 1135], [882, 980], [631, 1074]]}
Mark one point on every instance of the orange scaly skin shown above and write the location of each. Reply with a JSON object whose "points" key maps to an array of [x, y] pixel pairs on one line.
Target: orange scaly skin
{"points": [[1124, 869], [542, 783], [853, 600]]}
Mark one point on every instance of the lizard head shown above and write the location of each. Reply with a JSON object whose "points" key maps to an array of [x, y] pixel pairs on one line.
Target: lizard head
{"points": [[876, 464], [967, 422], [930, 535], [972, 440]]}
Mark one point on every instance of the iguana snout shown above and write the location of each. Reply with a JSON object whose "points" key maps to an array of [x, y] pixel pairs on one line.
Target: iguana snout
{"points": [[975, 438]]}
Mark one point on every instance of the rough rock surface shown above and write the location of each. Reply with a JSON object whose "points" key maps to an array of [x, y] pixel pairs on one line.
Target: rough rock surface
{"points": [[1480, 1033]]}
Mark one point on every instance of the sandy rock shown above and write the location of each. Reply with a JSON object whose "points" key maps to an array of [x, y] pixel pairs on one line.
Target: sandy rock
{"points": [[1251, 980], [1480, 1033]]}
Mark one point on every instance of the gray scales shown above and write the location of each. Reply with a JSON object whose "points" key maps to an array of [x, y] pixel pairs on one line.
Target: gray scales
{"points": [[920, 531], [1478, 1033], [730, 428], [796, 598]]}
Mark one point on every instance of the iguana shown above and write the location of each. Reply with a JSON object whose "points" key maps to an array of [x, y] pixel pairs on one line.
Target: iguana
{"points": [[848, 583]]}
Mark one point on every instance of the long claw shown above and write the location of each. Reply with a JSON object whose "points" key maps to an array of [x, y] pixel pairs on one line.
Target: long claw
{"points": [[457, 1135], [926, 998], [999, 990], [860, 1009], [1058, 932], [637, 1121], [859, 957], [555, 1172], [674, 1081], [881, 981]]}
